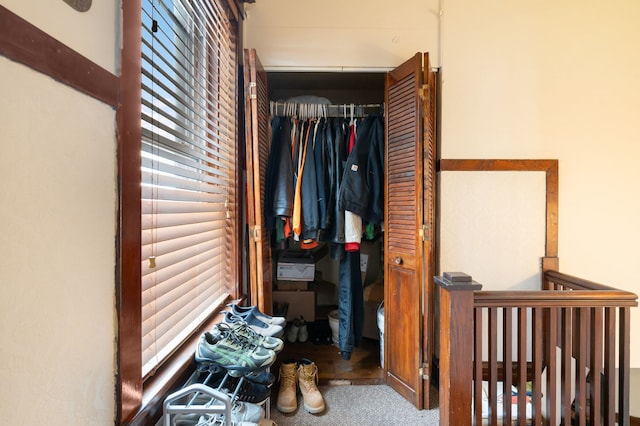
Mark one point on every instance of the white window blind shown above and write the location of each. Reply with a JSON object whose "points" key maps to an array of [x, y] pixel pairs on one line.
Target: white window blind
{"points": [[188, 169]]}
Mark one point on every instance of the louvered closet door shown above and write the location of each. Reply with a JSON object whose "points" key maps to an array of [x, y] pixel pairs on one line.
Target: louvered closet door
{"points": [[403, 252], [429, 96], [257, 153]]}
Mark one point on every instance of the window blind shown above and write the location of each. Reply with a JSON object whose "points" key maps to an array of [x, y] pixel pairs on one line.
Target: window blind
{"points": [[188, 169]]}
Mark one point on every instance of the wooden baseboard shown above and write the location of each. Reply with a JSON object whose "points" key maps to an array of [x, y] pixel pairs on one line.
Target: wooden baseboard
{"points": [[633, 421]]}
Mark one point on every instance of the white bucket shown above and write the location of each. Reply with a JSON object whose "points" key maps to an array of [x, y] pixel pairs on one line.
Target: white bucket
{"points": [[381, 329], [334, 323]]}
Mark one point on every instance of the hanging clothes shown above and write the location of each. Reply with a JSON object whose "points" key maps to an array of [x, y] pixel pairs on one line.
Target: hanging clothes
{"points": [[301, 154], [319, 171], [361, 190], [309, 188], [322, 176], [336, 143], [350, 304], [278, 200]]}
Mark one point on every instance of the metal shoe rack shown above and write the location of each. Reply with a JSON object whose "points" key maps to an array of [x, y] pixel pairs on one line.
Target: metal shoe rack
{"points": [[201, 395]]}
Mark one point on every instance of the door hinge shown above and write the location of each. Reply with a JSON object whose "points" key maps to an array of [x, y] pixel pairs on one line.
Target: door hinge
{"points": [[253, 90], [424, 233], [257, 234], [423, 91], [424, 371]]}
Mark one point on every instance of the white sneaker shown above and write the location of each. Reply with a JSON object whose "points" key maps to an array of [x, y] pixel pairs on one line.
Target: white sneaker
{"points": [[243, 311], [260, 327], [246, 412]]}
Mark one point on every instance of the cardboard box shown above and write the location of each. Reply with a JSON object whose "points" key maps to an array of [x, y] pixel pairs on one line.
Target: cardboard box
{"points": [[292, 285], [374, 292], [301, 303], [370, 328], [370, 261]]}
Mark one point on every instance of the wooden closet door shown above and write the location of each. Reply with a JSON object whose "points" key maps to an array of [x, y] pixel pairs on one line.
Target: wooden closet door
{"points": [[429, 97], [258, 144], [406, 294]]}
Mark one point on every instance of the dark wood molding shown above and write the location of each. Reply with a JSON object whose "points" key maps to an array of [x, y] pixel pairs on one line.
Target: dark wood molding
{"points": [[128, 254], [22, 42], [549, 167]]}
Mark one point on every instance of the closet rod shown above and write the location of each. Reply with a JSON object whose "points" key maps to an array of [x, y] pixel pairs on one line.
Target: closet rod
{"points": [[289, 109]]}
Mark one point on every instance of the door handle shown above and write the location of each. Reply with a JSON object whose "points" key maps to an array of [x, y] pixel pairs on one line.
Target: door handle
{"points": [[398, 260]]}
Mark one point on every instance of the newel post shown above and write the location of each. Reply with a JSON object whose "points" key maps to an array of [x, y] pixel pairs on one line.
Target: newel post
{"points": [[456, 350]]}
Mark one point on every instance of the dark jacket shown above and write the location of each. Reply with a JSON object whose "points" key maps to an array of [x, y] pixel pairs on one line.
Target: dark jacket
{"points": [[322, 175], [336, 143], [361, 189], [279, 174]]}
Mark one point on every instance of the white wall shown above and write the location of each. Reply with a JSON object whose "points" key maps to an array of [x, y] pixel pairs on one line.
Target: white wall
{"points": [[528, 79], [57, 232]]}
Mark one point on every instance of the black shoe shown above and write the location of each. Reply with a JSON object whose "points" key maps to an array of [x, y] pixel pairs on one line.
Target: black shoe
{"points": [[264, 378], [249, 391], [209, 374]]}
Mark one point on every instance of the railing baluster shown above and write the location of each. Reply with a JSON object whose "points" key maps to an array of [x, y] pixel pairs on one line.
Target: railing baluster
{"points": [[507, 359], [610, 366], [552, 370], [624, 351], [522, 366], [565, 383], [493, 367], [477, 359], [595, 370], [536, 395], [581, 368]]}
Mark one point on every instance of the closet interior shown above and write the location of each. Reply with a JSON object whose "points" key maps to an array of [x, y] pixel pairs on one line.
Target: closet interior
{"points": [[306, 279]]}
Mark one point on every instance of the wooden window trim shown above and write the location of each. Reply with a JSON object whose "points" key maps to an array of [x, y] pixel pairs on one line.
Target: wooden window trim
{"points": [[140, 403]]}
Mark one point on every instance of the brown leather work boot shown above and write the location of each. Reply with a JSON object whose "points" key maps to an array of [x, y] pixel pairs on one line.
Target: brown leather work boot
{"points": [[308, 381], [287, 396]]}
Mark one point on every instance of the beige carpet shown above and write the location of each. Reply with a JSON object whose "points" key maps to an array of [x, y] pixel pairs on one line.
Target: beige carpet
{"points": [[351, 405]]}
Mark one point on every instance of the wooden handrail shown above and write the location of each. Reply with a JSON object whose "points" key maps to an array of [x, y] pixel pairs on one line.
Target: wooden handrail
{"points": [[554, 298], [569, 281], [569, 339]]}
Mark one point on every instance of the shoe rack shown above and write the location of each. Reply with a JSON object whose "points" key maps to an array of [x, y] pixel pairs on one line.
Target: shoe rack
{"points": [[205, 393]]}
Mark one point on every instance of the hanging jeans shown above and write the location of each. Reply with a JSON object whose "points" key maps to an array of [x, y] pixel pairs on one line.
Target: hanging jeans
{"points": [[350, 303]]}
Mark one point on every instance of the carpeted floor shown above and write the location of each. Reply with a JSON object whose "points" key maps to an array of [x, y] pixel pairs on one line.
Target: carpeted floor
{"points": [[350, 405]]}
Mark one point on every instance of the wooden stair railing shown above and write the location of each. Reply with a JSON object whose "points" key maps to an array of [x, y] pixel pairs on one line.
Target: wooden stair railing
{"points": [[557, 348]]}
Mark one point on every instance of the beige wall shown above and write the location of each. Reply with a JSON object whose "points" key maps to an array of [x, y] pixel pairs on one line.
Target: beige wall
{"points": [[528, 79], [555, 80], [57, 256]]}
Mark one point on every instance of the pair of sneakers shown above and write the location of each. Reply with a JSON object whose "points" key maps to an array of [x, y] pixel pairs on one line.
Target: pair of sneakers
{"points": [[297, 331], [260, 322], [237, 349]]}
